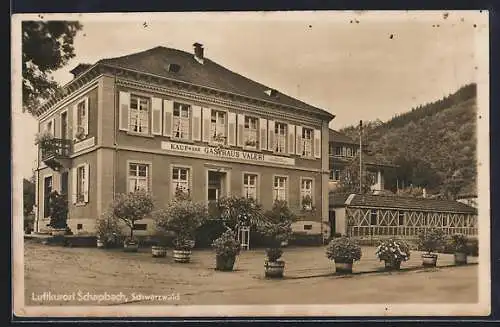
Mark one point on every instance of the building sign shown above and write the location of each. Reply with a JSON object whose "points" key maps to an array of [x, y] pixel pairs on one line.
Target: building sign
{"points": [[223, 153]]}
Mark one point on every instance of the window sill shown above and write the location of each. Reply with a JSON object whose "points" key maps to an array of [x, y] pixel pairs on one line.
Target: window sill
{"points": [[140, 134], [80, 204], [175, 139], [308, 158]]}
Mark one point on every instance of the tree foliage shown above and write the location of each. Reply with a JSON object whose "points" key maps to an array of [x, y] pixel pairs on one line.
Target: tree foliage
{"points": [[349, 178], [131, 207], [46, 47], [28, 196], [433, 144]]}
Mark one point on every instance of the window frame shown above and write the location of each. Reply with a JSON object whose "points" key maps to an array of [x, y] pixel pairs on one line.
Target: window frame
{"points": [[149, 174], [281, 137], [188, 120], [138, 118], [257, 184], [285, 189], [212, 139], [246, 131], [302, 193], [81, 184], [308, 140], [189, 176]]}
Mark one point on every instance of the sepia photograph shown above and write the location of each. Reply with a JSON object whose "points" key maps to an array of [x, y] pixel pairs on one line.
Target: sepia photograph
{"points": [[301, 163]]}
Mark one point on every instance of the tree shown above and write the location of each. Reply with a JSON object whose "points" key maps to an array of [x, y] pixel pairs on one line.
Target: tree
{"points": [[132, 207], [28, 196], [58, 209], [46, 47]]}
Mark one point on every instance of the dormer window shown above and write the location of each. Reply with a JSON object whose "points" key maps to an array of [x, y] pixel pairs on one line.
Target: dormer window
{"points": [[173, 68], [271, 92]]}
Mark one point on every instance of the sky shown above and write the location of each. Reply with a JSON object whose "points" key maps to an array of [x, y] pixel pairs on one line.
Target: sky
{"points": [[356, 65]]}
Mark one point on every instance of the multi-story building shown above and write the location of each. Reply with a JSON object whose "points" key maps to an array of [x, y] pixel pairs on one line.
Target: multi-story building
{"points": [[342, 150], [164, 120]]}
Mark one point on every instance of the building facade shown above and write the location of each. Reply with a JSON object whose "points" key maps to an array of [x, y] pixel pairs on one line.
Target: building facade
{"points": [[165, 120], [378, 216], [342, 150]]}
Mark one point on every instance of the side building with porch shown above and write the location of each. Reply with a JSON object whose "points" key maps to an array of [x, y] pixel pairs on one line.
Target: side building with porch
{"points": [[163, 120], [379, 216]]}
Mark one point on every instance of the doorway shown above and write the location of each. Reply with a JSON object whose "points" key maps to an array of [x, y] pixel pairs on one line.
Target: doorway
{"points": [[331, 220], [216, 185]]}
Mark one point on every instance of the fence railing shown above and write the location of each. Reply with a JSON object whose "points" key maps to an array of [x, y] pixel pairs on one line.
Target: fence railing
{"points": [[403, 231], [59, 148]]}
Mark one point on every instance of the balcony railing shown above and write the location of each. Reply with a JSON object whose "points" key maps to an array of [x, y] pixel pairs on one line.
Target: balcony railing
{"points": [[55, 149]]}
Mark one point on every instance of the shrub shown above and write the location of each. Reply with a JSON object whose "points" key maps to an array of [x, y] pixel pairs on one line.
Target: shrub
{"points": [[132, 207], [459, 243], [183, 218], [210, 230], [473, 247], [58, 208], [227, 245], [108, 229], [393, 251], [430, 240], [343, 250], [236, 211]]}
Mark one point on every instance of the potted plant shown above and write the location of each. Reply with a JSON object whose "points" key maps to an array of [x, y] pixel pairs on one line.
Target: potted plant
{"points": [[459, 245], [159, 248], [58, 209], [80, 134], [108, 231], [393, 252], [226, 249], [182, 218], [429, 241], [129, 208], [344, 251], [277, 227], [250, 143]]}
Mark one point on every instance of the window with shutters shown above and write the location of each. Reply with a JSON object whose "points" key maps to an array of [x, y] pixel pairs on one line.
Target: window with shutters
{"points": [[181, 121], [338, 151], [81, 184], [218, 127], [180, 180], [250, 132], [138, 177], [250, 186], [306, 187], [81, 118], [279, 188], [307, 142], [139, 115], [349, 152], [336, 175], [280, 137]]}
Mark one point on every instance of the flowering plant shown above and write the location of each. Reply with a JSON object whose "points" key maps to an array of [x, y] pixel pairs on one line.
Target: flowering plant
{"points": [[251, 143], [80, 134], [307, 202], [227, 245], [42, 137], [219, 138], [393, 251], [343, 250]]}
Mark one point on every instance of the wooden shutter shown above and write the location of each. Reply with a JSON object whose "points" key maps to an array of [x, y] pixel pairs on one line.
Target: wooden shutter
{"points": [[231, 123], [291, 138], [156, 116], [196, 123], [270, 137], [168, 112], [53, 126], [86, 121], [241, 129], [317, 143], [86, 190], [124, 101], [263, 133], [206, 124], [298, 138], [74, 180]]}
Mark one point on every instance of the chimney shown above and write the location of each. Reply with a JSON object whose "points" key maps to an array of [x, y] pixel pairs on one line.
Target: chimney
{"points": [[198, 52]]}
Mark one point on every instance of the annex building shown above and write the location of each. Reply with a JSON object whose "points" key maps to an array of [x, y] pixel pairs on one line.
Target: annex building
{"points": [[164, 120]]}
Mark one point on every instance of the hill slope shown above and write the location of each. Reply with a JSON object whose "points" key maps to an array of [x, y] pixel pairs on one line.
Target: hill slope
{"points": [[434, 144]]}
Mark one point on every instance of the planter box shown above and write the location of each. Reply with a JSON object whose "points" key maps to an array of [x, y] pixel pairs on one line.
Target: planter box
{"points": [[158, 251], [460, 258], [131, 246], [274, 269], [182, 256], [429, 259], [343, 267], [224, 263]]}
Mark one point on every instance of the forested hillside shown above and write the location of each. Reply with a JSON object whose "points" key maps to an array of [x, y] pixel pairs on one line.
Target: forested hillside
{"points": [[434, 144]]}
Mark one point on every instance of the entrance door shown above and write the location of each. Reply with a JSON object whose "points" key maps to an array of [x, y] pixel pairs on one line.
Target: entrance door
{"points": [[47, 189], [215, 185]]}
